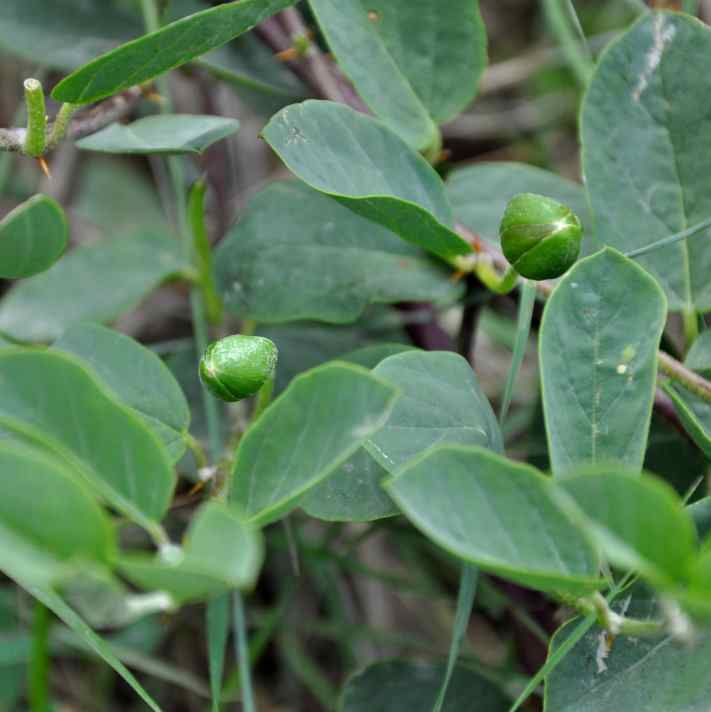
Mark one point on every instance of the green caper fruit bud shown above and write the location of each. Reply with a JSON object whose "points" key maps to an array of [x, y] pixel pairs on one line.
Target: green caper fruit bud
{"points": [[540, 237], [238, 366]]}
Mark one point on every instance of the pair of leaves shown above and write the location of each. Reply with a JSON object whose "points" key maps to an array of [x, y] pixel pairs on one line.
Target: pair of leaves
{"points": [[646, 171], [93, 283], [413, 65], [52, 402], [418, 420]]}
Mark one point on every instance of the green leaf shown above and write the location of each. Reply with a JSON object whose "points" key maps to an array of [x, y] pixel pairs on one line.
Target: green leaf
{"points": [[694, 414], [654, 675], [33, 237], [402, 686], [497, 514], [305, 435], [352, 493], [284, 278], [646, 170], [118, 197], [52, 401], [371, 356], [136, 377], [154, 54], [441, 403], [222, 551], [49, 522], [638, 523], [69, 32], [480, 193], [170, 133], [93, 283], [598, 352], [217, 624], [412, 64], [360, 162], [699, 356]]}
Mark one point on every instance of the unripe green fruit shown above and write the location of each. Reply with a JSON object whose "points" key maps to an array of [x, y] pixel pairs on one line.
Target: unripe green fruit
{"points": [[540, 237], [238, 366]]}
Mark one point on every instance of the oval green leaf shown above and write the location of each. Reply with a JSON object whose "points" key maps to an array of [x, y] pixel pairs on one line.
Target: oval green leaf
{"points": [[154, 54], [304, 435], [497, 514], [283, 278], [93, 283], [441, 403], [598, 354], [363, 164], [51, 401], [165, 134], [136, 376], [33, 237], [645, 141], [49, 522], [638, 523]]}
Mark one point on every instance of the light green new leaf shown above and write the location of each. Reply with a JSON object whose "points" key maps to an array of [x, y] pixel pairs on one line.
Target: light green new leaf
{"points": [[170, 133], [441, 403], [136, 376], [402, 686], [222, 552], [93, 283], [480, 193], [305, 435], [69, 32], [49, 522], [645, 142], [33, 237], [321, 261], [497, 514], [410, 62], [598, 352], [51, 400], [650, 674], [154, 54], [638, 523], [364, 165], [352, 493]]}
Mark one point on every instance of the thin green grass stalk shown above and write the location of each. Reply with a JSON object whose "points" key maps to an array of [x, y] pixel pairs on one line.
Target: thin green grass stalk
{"points": [[523, 329], [36, 139], [218, 626], [242, 653], [309, 674], [38, 672], [579, 60], [671, 239], [465, 601]]}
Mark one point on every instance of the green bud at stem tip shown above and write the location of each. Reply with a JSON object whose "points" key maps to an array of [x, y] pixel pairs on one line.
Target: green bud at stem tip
{"points": [[236, 367], [539, 236]]}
